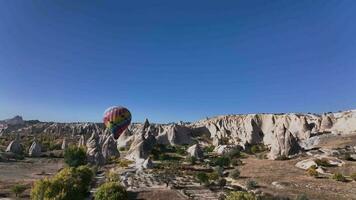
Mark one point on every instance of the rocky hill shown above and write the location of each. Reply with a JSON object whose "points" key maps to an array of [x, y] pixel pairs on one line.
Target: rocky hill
{"points": [[283, 134]]}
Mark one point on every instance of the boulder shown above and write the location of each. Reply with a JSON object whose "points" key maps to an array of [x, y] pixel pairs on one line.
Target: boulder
{"points": [[35, 149], [196, 151], [15, 146], [148, 164]]}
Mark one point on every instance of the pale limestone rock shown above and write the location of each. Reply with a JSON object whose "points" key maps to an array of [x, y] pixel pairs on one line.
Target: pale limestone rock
{"points": [[196, 151], [109, 149], [15, 146], [35, 149], [94, 152], [81, 142], [64, 144]]}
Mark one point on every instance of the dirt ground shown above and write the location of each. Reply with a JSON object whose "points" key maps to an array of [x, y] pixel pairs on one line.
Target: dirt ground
{"points": [[25, 172], [156, 194], [295, 181]]}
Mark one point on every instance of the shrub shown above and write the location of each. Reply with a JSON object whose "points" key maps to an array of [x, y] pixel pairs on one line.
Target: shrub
{"points": [[235, 174], [302, 197], [124, 162], [112, 177], [282, 157], [255, 149], [234, 153], [122, 149], [69, 183], [191, 159], [18, 189], [219, 170], [251, 184], [353, 176], [202, 178], [111, 191], [236, 162], [311, 171], [323, 162], [75, 156], [208, 149], [222, 182], [339, 177], [181, 150], [221, 161], [240, 196], [213, 176]]}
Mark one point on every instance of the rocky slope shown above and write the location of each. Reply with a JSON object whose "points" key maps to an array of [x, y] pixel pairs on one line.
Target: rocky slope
{"points": [[282, 134]]}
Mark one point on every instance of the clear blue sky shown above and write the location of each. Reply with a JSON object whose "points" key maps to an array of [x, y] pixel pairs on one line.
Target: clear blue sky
{"points": [[66, 60]]}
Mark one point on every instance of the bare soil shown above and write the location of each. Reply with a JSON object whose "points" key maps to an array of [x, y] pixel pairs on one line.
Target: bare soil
{"points": [[25, 172]]}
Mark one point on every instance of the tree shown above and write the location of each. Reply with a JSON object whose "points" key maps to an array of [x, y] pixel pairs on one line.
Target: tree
{"points": [[18, 189], [75, 156], [202, 177], [111, 191]]}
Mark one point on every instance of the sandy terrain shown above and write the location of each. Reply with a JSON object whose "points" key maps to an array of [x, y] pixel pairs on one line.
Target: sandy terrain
{"points": [[25, 172]]}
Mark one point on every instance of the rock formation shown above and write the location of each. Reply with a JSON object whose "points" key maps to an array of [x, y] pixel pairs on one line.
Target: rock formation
{"points": [[148, 164], [15, 146], [64, 144], [35, 149], [109, 148], [94, 152], [196, 151], [81, 142]]}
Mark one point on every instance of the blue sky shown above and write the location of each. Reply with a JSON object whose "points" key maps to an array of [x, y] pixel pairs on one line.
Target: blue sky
{"points": [[65, 60]]}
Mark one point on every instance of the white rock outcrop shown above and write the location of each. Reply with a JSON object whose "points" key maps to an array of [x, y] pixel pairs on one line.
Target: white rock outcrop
{"points": [[109, 148], [35, 149], [196, 151], [15, 146], [94, 153]]}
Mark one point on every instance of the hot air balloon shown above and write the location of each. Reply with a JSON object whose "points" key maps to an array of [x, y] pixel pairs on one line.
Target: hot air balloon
{"points": [[117, 119]]}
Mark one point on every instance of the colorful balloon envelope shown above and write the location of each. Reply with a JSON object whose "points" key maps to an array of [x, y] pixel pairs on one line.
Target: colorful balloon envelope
{"points": [[117, 119]]}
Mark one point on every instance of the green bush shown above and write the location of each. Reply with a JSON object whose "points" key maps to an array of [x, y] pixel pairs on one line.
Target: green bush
{"points": [[202, 178], [221, 161], [191, 159], [219, 170], [233, 153], [18, 189], [339, 177], [213, 176], [75, 156], [222, 182], [251, 184], [69, 183], [235, 174], [311, 171], [302, 197], [111, 191], [236, 162], [282, 157], [240, 196], [255, 149], [209, 149], [323, 162]]}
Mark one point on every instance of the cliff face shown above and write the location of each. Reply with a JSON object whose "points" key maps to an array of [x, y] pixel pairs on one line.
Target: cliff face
{"points": [[283, 134]]}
